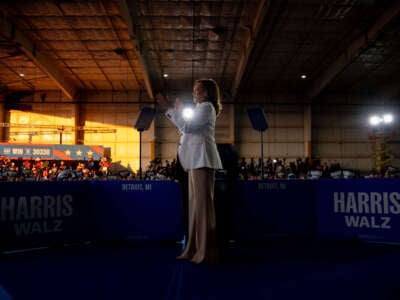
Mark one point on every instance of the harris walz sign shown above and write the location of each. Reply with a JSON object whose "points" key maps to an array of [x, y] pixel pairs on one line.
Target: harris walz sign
{"points": [[364, 209], [41, 213]]}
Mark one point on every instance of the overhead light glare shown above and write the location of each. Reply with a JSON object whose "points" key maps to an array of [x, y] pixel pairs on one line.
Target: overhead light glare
{"points": [[387, 118], [374, 120], [165, 75], [303, 76]]}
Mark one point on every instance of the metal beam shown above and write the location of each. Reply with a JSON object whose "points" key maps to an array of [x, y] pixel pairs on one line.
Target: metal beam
{"points": [[389, 90], [249, 44], [351, 51], [9, 31], [126, 10]]}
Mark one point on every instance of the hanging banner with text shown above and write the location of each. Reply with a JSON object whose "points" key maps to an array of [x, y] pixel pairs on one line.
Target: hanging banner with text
{"points": [[364, 209], [51, 151]]}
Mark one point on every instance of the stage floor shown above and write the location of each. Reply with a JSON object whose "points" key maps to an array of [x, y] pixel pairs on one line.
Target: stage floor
{"points": [[271, 270]]}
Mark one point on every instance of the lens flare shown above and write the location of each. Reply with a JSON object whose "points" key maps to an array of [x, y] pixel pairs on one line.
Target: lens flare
{"points": [[187, 113]]}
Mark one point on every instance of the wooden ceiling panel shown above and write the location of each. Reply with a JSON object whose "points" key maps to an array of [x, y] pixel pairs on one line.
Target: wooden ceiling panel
{"points": [[254, 45], [49, 22]]}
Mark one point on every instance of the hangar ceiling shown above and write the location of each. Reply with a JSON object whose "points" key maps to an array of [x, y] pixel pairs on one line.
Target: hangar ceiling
{"points": [[256, 49]]}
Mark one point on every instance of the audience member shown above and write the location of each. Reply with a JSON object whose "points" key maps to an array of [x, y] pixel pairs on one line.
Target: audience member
{"points": [[274, 168]]}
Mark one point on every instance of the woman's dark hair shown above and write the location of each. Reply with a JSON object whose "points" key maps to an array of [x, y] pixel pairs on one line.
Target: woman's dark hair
{"points": [[213, 93]]}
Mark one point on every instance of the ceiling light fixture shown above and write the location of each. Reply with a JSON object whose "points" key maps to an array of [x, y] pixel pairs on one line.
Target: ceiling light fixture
{"points": [[165, 75], [303, 76]]}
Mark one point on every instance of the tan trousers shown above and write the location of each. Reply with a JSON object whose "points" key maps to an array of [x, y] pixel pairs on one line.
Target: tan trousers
{"points": [[202, 243]]}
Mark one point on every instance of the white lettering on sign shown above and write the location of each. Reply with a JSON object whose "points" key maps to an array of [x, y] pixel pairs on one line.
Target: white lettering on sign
{"points": [[29, 228], [36, 214], [271, 186], [35, 207], [367, 209], [368, 222], [126, 187], [366, 203], [41, 151], [17, 151]]}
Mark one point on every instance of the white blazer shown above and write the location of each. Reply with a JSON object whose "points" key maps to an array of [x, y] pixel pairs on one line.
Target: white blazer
{"points": [[197, 147]]}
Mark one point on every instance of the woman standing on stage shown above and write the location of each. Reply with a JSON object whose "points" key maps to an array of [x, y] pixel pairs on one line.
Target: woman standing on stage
{"points": [[198, 155]]}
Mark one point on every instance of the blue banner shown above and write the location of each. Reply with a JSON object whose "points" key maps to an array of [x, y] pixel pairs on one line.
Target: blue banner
{"points": [[40, 213], [266, 209], [138, 210], [54, 152], [26, 151], [364, 209]]}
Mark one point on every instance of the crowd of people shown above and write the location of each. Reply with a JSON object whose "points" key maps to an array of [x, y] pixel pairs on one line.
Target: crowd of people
{"points": [[305, 168], [246, 169], [52, 170], [251, 169]]}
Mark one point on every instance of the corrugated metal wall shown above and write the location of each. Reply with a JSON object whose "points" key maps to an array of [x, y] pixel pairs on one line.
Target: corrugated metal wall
{"points": [[342, 133], [283, 139], [333, 133], [124, 142]]}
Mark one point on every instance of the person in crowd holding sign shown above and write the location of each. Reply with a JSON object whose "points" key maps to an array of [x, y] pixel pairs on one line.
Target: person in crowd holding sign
{"points": [[198, 155]]}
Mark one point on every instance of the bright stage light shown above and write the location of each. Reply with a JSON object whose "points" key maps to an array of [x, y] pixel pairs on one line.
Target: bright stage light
{"points": [[187, 113], [374, 120], [377, 120], [387, 118]]}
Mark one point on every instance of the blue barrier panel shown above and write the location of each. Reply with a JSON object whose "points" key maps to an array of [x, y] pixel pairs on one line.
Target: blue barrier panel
{"points": [[40, 213], [365, 209], [137, 210], [266, 209]]}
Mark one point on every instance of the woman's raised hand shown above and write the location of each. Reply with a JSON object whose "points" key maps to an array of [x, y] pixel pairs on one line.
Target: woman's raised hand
{"points": [[163, 101]]}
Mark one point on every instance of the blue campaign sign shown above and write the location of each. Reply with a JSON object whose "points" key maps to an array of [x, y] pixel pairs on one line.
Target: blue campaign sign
{"points": [[271, 208], [26, 151], [137, 210], [40, 213], [364, 209], [53, 151]]}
